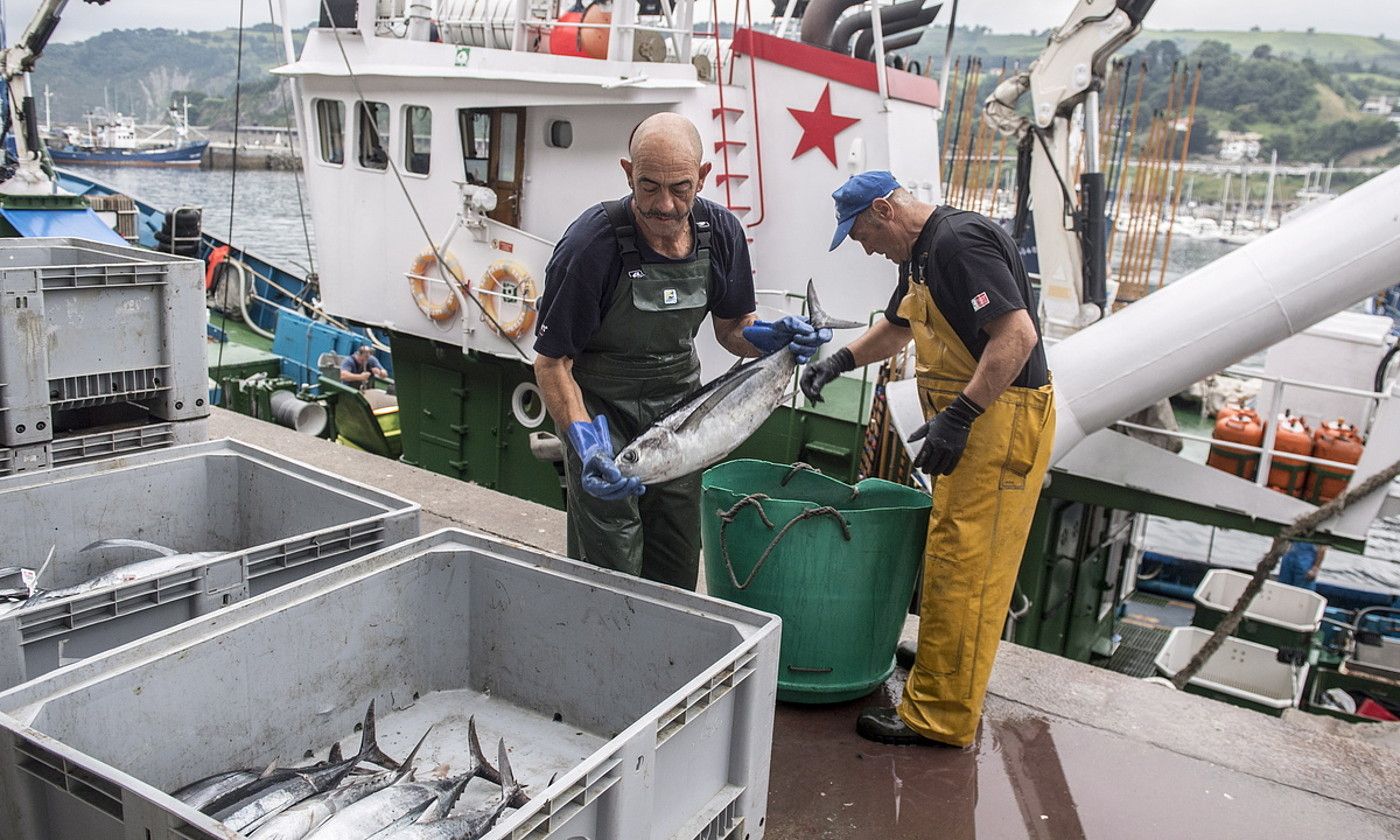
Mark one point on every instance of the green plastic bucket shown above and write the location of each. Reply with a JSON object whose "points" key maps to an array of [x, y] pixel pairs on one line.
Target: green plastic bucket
{"points": [[837, 563]]}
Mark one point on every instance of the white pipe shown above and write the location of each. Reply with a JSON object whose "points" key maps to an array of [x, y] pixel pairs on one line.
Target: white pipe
{"points": [[878, 30], [1274, 287]]}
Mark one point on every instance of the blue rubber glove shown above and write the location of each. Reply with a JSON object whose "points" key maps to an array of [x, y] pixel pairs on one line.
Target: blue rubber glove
{"points": [[601, 477], [791, 331]]}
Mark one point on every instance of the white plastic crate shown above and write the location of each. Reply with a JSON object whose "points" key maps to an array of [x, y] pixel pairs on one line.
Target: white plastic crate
{"points": [[651, 707], [1244, 671], [272, 519], [86, 324], [1289, 615]]}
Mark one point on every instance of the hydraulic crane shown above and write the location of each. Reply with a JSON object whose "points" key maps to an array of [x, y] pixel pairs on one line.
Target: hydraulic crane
{"points": [[1070, 230], [26, 175]]}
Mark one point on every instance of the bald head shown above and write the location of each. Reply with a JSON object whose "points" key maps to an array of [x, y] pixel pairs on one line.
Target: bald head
{"points": [[666, 171], [666, 135]]}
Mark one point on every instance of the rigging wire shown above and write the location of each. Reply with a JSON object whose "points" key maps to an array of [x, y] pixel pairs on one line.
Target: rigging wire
{"points": [[233, 179]]}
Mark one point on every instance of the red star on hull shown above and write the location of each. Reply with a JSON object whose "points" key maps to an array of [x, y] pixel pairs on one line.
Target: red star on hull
{"points": [[820, 127]]}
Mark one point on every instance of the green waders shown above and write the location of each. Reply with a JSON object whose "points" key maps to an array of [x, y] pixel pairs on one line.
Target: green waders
{"points": [[640, 363]]}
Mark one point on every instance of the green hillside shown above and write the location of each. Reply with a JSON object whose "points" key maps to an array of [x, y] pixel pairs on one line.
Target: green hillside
{"points": [[139, 72]]}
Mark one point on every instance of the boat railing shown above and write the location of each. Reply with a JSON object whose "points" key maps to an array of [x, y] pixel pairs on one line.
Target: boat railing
{"points": [[1270, 404]]}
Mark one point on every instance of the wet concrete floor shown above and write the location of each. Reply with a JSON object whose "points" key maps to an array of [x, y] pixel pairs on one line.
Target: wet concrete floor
{"points": [[1031, 775]]}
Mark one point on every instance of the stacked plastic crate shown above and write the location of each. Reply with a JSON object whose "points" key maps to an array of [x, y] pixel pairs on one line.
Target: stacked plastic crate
{"points": [[101, 352]]}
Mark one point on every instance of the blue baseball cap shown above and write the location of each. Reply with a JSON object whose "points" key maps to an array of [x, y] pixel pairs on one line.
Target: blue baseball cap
{"points": [[855, 196]]}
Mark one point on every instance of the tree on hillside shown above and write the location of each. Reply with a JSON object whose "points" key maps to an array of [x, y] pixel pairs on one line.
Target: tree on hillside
{"points": [[1263, 52]]}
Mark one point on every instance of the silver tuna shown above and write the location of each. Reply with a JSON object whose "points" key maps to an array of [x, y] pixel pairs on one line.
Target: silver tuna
{"points": [[273, 792], [400, 803], [711, 423], [303, 818], [165, 562]]}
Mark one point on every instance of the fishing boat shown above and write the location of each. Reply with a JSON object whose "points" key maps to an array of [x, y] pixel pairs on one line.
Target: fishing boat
{"points": [[112, 139]]}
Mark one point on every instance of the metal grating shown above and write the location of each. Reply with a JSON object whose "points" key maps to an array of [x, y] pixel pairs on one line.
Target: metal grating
{"points": [[1137, 649]]}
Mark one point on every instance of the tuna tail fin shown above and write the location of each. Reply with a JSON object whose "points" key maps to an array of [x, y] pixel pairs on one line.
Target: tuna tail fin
{"points": [[819, 317], [406, 769], [369, 746], [484, 769], [336, 756], [510, 788]]}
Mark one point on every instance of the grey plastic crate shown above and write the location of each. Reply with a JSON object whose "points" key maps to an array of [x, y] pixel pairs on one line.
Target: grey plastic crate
{"points": [[86, 324], [108, 443], [653, 706], [275, 520]]}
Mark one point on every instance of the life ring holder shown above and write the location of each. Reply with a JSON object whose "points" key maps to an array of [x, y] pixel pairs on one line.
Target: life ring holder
{"points": [[508, 280], [423, 271]]}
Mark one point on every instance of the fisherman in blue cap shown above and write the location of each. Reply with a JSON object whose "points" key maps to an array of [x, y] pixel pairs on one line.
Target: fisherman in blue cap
{"points": [[965, 300], [628, 287]]}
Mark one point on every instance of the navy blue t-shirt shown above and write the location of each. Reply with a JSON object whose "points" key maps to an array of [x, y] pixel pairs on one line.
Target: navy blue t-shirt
{"points": [[582, 275]]}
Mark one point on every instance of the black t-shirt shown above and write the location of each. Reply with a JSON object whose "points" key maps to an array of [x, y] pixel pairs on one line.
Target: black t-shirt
{"points": [[976, 275], [582, 275]]}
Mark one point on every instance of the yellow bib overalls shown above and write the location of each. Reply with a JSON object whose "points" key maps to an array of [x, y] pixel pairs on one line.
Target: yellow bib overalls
{"points": [[977, 531]]}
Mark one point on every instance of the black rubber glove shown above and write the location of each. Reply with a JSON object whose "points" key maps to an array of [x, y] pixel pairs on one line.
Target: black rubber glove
{"points": [[819, 374], [945, 437]]}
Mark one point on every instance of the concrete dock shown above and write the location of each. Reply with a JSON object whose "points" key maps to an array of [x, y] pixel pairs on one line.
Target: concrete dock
{"points": [[1066, 751]]}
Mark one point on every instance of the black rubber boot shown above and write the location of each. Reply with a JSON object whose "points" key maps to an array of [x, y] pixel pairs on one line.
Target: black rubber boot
{"points": [[884, 724], [904, 654]]}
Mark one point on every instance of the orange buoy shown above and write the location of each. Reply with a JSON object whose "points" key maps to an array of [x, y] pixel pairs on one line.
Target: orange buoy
{"points": [[1289, 475], [1236, 424], [564, 40], [1335, 440], [594, 42]]}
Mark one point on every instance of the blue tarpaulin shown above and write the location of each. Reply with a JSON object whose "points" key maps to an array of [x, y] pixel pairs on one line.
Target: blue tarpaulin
{"points": [[80, 223]]}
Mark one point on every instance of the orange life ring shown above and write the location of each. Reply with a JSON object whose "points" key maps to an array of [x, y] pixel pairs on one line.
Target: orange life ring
{"points": [[425, 267], [508, 280], [216, 259]]}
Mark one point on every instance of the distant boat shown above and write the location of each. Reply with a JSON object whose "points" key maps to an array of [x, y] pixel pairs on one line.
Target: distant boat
{"points": [[111, 141]]}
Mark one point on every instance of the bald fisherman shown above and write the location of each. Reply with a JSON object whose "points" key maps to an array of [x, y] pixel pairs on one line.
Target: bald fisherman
{"points": [[626, 292]]}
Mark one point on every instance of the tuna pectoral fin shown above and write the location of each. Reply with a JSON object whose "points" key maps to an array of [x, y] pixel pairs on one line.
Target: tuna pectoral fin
{"points": [[820, 319], [159, 550]]}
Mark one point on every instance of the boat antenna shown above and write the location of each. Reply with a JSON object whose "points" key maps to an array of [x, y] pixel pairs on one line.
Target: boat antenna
{"points": [[459, 287]]}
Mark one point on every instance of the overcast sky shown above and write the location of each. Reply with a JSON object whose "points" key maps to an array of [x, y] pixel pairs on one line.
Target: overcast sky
{"points": [[1363, 17]]}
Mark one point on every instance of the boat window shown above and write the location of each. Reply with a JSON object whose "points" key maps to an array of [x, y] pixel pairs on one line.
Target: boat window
{"points": [[374, 135], [330, 125], [476, 145], [510, 126], [418, 139]]}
